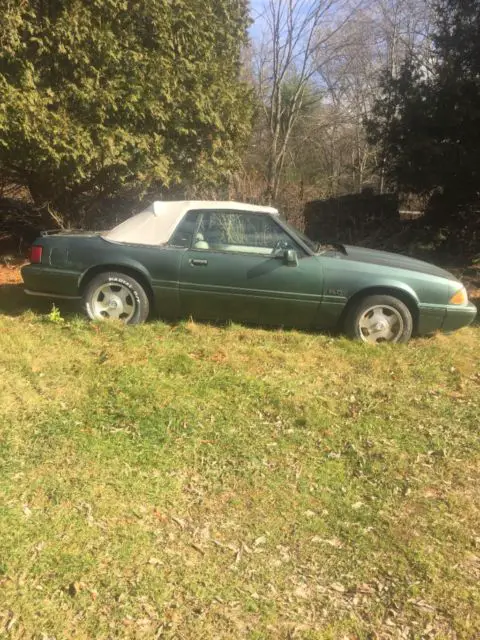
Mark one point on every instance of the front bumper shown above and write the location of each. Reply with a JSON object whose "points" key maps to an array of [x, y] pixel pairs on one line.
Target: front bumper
{"points": [[41, 280], [458, 317], [446, 318]]}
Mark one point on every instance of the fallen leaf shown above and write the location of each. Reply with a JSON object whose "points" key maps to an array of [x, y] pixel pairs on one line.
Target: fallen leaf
{"points": [[155, 562], [333, 542], [10, 623], [181, 523], [365, 588], [204, 533], [143, 622], [150, 610], [301, 591]]}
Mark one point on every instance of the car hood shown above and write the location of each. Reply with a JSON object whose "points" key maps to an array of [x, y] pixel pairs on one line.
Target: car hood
{"points": [[395, 260]]}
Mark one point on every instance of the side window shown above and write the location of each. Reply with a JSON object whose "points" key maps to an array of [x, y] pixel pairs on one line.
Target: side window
{"points": [[240, 232], [183, 234]]}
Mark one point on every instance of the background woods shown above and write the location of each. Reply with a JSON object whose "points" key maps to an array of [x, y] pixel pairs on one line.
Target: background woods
{"points": [[285, 101]]}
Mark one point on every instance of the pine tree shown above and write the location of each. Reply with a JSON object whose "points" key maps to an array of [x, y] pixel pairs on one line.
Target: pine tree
{"points": [[427, 121]]}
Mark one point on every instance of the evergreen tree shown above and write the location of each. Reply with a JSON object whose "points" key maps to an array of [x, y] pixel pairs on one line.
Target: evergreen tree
{"points": [[99, 96], [427, 120]]}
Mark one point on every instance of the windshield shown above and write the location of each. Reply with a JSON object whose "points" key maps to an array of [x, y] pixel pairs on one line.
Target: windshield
{"points": [[314, 246]]}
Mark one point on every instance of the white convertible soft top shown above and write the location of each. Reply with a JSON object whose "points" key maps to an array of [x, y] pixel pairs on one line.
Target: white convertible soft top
{"points": [[156, 223]]}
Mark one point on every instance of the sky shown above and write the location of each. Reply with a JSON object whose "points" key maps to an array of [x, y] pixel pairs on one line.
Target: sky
{"points": [[255, 8]]}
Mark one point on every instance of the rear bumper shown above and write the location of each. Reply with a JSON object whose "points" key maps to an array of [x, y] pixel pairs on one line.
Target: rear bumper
{"points": [[45, 281], [458, 317]]}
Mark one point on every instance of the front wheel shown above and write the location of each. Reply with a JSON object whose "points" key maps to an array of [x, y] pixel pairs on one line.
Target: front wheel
{"points": [[380, 318], [116, 296]]}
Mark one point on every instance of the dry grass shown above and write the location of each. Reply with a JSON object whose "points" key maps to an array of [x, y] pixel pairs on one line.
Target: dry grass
{"points": [[205, 482]]}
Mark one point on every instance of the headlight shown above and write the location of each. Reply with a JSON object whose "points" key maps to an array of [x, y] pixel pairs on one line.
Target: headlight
{"points": [[460, 297]]}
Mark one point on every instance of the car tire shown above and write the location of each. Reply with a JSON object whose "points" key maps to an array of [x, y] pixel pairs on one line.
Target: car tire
{"points": [[379, 318], [116, 296]]}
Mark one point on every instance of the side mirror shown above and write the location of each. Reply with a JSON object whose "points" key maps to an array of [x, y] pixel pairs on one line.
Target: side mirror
{"points": [[290, 257]]}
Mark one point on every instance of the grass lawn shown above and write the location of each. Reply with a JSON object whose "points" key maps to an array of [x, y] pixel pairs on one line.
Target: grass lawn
{"points": [[195, 481]]}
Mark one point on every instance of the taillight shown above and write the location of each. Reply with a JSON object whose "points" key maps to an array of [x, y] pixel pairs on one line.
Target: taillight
{"points": [[36, 254]]}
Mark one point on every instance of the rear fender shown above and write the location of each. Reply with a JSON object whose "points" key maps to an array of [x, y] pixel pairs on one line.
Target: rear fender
{"points": [[129, 267]]}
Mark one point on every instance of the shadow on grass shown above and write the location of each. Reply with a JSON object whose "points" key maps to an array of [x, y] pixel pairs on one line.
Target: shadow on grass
{"points": [[14, 302]]}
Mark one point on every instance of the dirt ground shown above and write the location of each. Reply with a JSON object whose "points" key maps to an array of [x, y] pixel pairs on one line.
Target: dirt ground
{"points": [[10, 274]]}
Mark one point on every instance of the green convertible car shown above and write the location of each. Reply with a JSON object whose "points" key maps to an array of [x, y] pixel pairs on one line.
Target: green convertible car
{"points": [[233, 261]]}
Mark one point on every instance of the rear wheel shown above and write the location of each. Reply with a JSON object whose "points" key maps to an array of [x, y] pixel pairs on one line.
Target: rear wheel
{"points": [[116, 296], [377, 319]]}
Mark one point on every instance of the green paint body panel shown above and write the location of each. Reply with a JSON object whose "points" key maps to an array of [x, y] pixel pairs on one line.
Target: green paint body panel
{"points": [[252, 288]]}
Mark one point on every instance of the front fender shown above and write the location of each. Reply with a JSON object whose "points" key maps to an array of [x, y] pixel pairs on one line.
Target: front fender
{"points": [[343, 288], [384, 285], [428, 309]]}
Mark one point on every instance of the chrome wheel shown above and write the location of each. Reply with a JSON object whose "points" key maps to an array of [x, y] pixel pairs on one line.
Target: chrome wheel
{"points": [[381, 323], [113, 301]]}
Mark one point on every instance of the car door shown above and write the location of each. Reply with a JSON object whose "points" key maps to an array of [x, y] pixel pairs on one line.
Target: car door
{"points": [[235, 270]]}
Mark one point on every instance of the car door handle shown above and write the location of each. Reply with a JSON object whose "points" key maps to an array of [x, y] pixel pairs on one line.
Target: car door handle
{"points": [[195, 262]]}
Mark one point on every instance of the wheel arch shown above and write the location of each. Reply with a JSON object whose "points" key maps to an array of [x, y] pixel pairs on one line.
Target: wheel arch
{"points": [[404, 295], [132, 271]]}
